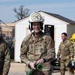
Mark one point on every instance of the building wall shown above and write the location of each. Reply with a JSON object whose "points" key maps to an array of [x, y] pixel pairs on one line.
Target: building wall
{"points": [[8, 30], [59, 29], [21, 31]]}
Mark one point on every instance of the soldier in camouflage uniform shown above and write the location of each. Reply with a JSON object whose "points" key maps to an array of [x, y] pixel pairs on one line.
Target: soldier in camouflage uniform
{"points": [[4, 56], [65, 53], [37, 48]]}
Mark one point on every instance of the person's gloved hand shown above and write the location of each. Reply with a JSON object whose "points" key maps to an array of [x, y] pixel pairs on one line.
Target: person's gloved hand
{"points": [[32, 65], [40, 61]]}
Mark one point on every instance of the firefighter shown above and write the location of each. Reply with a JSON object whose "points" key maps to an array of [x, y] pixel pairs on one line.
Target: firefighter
{"points": [[37, 48], [65, 53]]}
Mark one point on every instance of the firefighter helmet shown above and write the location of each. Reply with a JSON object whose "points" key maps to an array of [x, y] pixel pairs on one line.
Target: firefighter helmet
{"points": [[35, 17]]}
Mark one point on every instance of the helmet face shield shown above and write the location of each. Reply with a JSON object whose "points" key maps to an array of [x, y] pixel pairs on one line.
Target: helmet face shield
{"points": [[36, 17]]}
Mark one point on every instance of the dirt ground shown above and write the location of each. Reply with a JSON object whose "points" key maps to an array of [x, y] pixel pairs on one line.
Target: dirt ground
{"points": [[19, 69]]}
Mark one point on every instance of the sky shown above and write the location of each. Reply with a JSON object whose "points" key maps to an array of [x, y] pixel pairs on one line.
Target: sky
{"points": [[65, 8]]}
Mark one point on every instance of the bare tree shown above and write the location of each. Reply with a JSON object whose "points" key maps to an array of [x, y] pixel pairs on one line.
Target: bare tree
{"points": [[21, 12]]}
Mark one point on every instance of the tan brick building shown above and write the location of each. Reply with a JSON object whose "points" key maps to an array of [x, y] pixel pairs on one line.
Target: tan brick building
{"points": [[8, 30]]}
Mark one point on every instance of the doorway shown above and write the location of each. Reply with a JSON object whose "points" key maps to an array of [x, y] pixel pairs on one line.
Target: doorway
{"points": [[49, 30]]}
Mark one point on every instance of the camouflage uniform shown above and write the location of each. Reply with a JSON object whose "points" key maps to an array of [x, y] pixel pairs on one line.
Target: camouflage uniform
{"points": [[33, 49], [65, 52], [4, 58]]}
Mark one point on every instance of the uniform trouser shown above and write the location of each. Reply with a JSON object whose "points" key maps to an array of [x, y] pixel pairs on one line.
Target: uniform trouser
{"points": [[63, 67], [41, 73], [37, 73], [44, 72]]}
